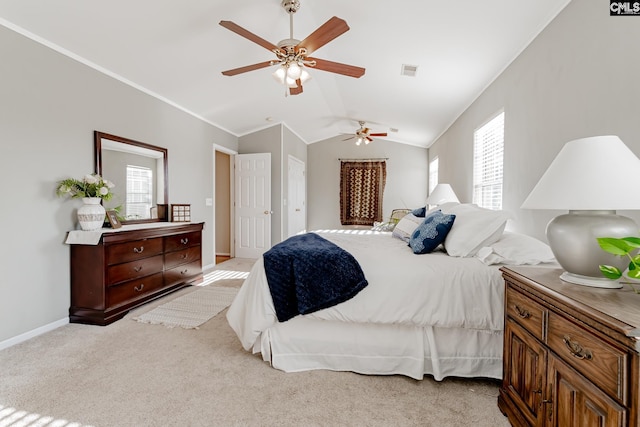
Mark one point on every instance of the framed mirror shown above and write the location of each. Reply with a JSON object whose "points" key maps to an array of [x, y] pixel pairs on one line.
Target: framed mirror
{"points": [[139, 172]]}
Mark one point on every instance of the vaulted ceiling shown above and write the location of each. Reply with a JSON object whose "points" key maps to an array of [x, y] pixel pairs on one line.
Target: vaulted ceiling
{"points": [[176, 50]]}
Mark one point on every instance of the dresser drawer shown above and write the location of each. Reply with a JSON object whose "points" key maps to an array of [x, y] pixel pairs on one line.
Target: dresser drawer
{"points": [[133, 290], [182, 273], [133, 269], [526, 312], [129, 251], [606, 366], [182, 241], [185, 256]]}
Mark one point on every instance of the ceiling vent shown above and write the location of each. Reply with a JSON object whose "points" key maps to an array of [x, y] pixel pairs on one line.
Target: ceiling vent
{"points": [[409, 70]]}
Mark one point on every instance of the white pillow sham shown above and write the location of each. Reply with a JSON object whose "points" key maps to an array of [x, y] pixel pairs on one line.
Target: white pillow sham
{"points": [[406, 226], [474, 228], [516, 249]]}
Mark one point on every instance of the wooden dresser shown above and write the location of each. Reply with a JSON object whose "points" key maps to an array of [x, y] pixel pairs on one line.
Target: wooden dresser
{"points": [[570, 352], [131, 266]]}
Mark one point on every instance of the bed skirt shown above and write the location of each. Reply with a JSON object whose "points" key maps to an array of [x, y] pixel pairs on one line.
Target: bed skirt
{"points": [[304, 344]]}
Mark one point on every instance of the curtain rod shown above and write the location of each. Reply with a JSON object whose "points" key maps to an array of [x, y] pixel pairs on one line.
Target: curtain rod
{"points": [[363, 160]]}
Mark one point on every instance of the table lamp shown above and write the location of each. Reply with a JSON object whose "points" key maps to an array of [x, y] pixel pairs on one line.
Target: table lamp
{"points": [[591, 178], [443, 193]]}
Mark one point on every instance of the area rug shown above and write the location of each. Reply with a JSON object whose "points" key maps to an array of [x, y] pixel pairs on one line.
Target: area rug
{"points": [[191, 310]]}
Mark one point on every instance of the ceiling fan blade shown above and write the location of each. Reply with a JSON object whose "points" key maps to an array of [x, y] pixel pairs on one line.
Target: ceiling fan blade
{"points": [[248, 35], [378, 134], [337, 67], [324, 34], [296, 90], [370, 140], [351, 137], [244, 69]]}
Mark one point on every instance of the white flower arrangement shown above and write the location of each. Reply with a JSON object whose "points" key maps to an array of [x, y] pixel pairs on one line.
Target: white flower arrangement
{"points": [[91, 185]]}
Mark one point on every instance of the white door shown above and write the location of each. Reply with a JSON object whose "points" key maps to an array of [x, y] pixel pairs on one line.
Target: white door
{"points": [[297, 216], [253, 204]]}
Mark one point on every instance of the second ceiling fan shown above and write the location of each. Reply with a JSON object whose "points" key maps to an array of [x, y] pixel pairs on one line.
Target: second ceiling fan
{"points": [[292, 54], [364, 134]]}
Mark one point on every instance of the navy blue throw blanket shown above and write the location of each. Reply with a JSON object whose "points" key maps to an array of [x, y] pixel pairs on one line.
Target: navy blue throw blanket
{"points": [[307, 273]]}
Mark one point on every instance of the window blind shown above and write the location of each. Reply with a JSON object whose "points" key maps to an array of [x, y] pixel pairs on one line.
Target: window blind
{"points": [[488, 154], [139, 192]]}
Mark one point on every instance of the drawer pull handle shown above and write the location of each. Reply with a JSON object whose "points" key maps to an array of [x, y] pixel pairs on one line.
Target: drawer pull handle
{"points": [[137, 269], [138, 251], [185, 271], [139, 288], [184, 241], [576, 349], [184, 256], [521, 312]]}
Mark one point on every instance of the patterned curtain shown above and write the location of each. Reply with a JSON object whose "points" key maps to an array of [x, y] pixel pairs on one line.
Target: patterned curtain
{"points": [[361, 189]]}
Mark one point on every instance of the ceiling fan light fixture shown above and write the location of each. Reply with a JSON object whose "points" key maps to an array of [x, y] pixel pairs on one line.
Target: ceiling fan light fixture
{"points": [[294, 71], [279, 74], [304, 75]]}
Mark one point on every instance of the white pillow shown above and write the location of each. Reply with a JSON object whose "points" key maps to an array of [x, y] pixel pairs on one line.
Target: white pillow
{"points": [[516, 249], [406, 226], [474, 228]]}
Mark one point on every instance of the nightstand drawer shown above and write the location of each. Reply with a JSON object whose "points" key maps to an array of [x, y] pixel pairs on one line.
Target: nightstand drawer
{"points": [[596, 359], [137, 249], [526, 312]]}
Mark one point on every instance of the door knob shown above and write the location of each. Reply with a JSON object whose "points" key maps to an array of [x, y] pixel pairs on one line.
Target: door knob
{"points": [[268, 212]]}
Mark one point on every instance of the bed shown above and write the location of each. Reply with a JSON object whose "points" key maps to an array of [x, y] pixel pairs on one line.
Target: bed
{"points": [[429, 314]]}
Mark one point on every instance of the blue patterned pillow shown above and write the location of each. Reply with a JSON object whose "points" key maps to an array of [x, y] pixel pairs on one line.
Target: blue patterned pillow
{"points": [[431, 232], [420, 212]]}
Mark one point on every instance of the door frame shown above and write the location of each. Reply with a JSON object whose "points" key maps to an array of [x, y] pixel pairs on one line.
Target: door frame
{"points": [[232, 154]]}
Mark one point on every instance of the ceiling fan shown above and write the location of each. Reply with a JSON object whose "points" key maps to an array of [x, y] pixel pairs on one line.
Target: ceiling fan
{"points": [[292, 54], [364, 134]]}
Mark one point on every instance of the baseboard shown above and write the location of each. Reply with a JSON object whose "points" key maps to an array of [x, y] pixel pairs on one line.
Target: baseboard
{"points": [[223, 254], [33, 333]]}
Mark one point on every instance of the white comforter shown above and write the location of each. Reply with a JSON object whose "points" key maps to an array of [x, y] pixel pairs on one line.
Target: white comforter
{"points": [[404, 288]]}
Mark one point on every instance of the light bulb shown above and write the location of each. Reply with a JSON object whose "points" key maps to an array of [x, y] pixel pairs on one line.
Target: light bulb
{"points": [[294, 71], [279, 74], [291, 82], [366, 142], [358, 141]]}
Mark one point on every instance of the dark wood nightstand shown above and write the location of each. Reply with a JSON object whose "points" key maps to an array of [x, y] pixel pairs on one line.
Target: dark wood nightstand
{"points": [[570, 352]]}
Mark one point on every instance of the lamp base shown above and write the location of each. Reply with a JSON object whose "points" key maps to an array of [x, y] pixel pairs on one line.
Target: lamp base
{"points": [[594, 282], [573, 240]]}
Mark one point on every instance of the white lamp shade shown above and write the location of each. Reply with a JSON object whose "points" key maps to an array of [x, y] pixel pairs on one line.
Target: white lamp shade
{"points": [[443, 193], [595, 173], [304, 75], [279, 74]]}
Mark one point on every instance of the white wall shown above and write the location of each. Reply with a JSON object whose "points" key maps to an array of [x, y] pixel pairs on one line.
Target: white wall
{"points": [[406, 185], [49, 107], [578, 78]]}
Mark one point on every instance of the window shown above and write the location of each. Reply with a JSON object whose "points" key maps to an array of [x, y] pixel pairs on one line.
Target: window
{"points": [[139, 192], [488, 149], [433, 174]]}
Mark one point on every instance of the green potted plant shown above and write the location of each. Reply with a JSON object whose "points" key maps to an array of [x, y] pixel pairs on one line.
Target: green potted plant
{"points": [[625, 246], [92, 189]]}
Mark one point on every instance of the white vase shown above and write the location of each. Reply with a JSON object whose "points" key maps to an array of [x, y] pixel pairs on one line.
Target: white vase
{"points": [[91, 214]]}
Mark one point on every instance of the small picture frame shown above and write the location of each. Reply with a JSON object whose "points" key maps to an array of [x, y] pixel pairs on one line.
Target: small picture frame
{"points": [[112, 217], [181, 213]]}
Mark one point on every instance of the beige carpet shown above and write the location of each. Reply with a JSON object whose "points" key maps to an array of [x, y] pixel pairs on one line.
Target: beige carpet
{"points": [[133, 374]]}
